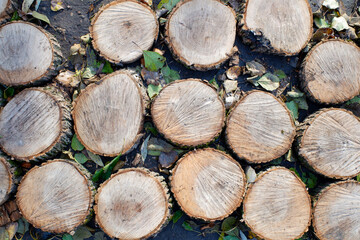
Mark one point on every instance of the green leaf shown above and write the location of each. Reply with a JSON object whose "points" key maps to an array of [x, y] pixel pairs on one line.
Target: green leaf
{"points": [[67, 237], [4, 234], [269, 82], [177, 215], [107, 68], [81, 233], [168, 4], [312, 181], [80, 158], [9, 92], [231, 238], [294, 109], [23, 226], [301, 102], [321, 22], [105, 172], [95, 158], [144, 148], [153, 61], [358, 178], [339, 24], [295, 94], [295, 171], [76, 144], [354, 100], [214, 83], [15, 16], [280, 74], [228, 224], [169, 75], [153, 90], [40, 16], [99, 236], [154, 153], [221, 237], [187, 226]]}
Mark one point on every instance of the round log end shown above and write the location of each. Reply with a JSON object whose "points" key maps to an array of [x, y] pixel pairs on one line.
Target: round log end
{"points": [[188, 112], [260, 128], [336, 213], [208, 184], [331, 72], [201, 33], [330, 143], [277, 205], [6, 183], [56, 196], [108, 115], [132, 204], [122, 29]]}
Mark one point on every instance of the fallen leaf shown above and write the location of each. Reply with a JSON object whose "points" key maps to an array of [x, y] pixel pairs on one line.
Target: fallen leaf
{"points": [[26, 5], [228, 224], [85, 38], [321, 22], [157, 144], [230, 86], [81, 233], [269, 82], [280, 74], [295, 93], [169, 75], [339, 24], [166, 160], [76, 145], [95, 158], [331, 4], [40, 16], [294, 109], [68, 78], [56, 5], [214, 83], [250, 174], [255, 68], [153, 60], [80, 158], [177, 215], [153, 90], [144, 150], [234, 72], [168, 4]]}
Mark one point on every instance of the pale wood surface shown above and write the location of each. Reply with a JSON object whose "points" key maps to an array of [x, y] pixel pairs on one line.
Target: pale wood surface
{"points": [[208, 184], [281, 26], [132, 204], [122, 29], [4, 4], [35, 123], [260, 128], [336, 213], [55, 197], [201, 33], [6, 182], [331, 71], [277, 205], [108, 115], [188, 112], [26, 53], [331, 143]]}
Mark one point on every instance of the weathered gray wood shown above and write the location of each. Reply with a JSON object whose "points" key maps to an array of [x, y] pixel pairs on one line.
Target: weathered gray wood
{"points": [[7, 182]]}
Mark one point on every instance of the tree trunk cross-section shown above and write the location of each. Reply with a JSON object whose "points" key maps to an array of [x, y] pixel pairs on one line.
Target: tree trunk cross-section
{"points": [[201, 33], [330, 143], [277, 205], [260, 128], [337, 210], [5, 5], [133, 204], [208, 184], [108, 115], [35, 124], [28, 54], [6, 183], [331, 72], [56, 196], [278, 26], [188, 112], [122, 29]]}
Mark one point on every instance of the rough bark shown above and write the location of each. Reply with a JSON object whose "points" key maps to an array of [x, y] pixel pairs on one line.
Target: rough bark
{"points": [[188, 112], [277, 26], [201, 33], [122, 29], [29, 54], [56, 196], [329, 143], [133, 204], [35, 124], [260, 128], [208, 184], [6, 9], [9, 213], [330, 72], [108, 115], [7, 180], [277, 205]]}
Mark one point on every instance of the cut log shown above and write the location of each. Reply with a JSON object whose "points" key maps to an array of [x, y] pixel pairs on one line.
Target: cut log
{"points": [[56, 196], [132, 204], [188, 112], [277, 205], [28, 54], [260, 128], [122, 29], [5, 9], [208, 184], [6, 183], [201, 33], [329, 142], [108, 115], [331, 72], [277, 26], [337, 210], [35, 124], [9, 213]]}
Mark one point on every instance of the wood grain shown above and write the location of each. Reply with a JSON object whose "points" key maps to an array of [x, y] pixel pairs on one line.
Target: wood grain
{"points": [[4, 5], [331, 72], [277, 205], [278, 26], [108, 115], [260, 128], [56, 196], [6, 183], [132, 204], [336, 212], [201, 33], [122, 29], [208, 184], [35, 124], [330, 143], [28, 54], [188, 112]]}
